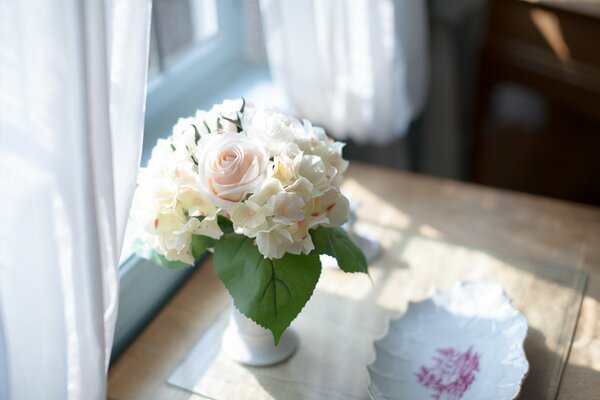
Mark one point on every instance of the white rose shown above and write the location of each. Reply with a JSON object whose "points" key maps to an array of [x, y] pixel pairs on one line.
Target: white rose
{"points": [[230, 166]]}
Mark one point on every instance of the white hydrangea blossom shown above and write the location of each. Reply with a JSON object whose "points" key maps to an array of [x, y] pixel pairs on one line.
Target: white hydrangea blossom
{"points": [[167, 201], [273, 176]]}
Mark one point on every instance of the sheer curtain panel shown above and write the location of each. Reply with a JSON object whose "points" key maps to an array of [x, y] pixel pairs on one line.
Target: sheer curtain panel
{"points": [[357, 67], [72, 95]]}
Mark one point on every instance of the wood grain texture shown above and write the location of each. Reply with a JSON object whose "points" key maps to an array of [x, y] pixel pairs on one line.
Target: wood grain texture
{"points": [[466, 219]]}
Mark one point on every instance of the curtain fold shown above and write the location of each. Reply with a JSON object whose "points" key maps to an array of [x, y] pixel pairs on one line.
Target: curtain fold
{"points": [[73, 81], [359, 68]]}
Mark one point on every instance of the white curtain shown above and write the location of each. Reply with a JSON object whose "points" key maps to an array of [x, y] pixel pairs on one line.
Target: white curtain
{"points": [[72, 95], [357, 67]]}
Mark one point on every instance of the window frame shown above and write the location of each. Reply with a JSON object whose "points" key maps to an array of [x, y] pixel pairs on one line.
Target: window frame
{"points": [[144, 286], [206, 66]]}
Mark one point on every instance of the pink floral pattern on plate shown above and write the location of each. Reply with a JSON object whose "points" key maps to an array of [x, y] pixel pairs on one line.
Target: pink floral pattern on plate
{"points": [[451, 375]]}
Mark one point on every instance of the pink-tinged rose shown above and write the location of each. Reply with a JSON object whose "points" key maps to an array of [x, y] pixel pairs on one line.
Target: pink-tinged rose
{"points": [[230, 166]]}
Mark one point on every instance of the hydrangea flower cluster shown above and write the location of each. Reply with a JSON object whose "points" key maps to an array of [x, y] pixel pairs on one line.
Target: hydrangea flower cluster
{"points": [[274, 177]]}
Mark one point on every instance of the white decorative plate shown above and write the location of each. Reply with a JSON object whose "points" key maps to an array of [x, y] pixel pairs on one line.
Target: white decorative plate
{"points": [[465, 343]]}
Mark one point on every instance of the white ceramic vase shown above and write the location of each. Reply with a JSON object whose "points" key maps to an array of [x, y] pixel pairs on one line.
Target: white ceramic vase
{"points": [[250, 344]]}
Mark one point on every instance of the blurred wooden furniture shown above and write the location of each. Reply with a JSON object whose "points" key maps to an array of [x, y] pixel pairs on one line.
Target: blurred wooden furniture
{"points": [[548, 47], [422, 220]]}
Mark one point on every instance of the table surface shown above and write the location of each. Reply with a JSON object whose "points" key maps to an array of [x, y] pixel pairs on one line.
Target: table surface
{"points": [[466, 216]]}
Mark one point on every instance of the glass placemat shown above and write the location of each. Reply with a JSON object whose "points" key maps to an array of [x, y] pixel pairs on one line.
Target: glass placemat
{"points": [[348, 312]]}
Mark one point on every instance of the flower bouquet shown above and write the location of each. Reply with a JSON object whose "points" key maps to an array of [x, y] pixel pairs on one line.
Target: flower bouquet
{"points": [[262, 191]]}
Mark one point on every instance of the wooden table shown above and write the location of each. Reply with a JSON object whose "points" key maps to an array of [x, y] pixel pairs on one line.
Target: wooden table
{"points": [[466, 216]]}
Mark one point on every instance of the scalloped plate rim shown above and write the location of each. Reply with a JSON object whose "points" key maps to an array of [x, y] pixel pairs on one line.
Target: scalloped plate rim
{"points": [[431, 298]]}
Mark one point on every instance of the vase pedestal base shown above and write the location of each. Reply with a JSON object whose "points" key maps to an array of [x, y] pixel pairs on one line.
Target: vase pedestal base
{"points": [[249, 344]]}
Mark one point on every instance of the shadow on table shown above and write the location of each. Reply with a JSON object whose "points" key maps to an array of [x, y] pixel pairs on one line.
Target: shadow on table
{"points": [[336, 334], [545, 366], [465, 216]]}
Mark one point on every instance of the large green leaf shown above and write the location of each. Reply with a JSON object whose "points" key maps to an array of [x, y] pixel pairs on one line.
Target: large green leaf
{"points": [[270, 292], [200, 244], [225, 224], [336, 243]]}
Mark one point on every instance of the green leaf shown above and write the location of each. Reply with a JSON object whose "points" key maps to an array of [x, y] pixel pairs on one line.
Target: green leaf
{"points": [[196, 134], [270, 292], [237, 122], [206, 126], [143, 251], [225, 224], [243, 105], [200, 244], [336, 243], [233, 121]]}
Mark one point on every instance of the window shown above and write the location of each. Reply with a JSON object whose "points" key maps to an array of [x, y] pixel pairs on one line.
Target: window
{"points": [[177, 27], [195, 47]]}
